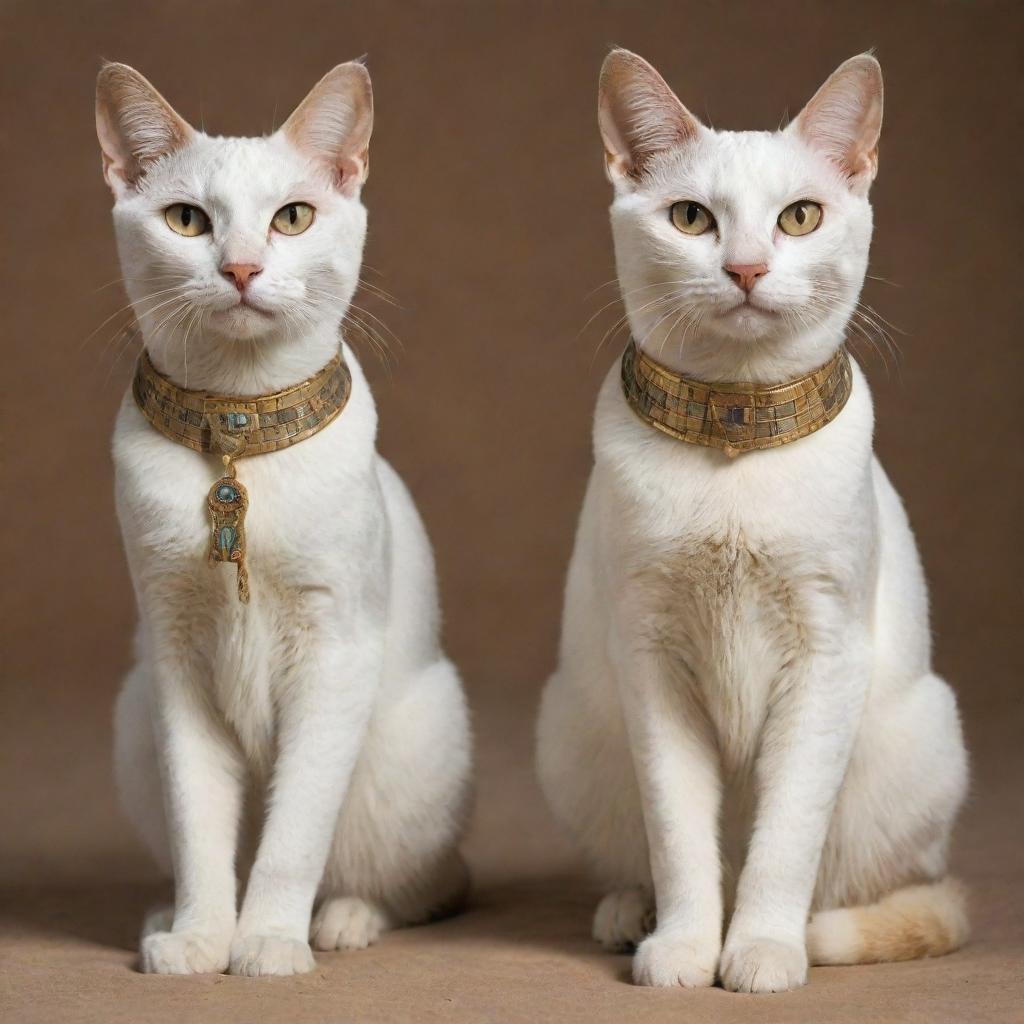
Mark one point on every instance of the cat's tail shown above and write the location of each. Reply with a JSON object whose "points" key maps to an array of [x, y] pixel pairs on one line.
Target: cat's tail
{"points": [[917, 921]]}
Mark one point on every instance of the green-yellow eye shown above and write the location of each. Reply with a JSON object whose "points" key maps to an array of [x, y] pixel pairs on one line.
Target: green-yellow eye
{"points": [[186, 220], [293, 219], [800, 218], [691, 218]]}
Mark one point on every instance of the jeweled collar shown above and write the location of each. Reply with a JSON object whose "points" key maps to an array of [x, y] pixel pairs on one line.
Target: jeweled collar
{"points": [[734, 417], [238, 426], [234, 427]]}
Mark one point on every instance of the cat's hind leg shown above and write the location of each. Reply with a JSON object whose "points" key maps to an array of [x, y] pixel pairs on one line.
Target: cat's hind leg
{"points": [[882, 891], [136, 769], [586, 772], [394, 860], [349, 922], [624, 918], [355, 922]]}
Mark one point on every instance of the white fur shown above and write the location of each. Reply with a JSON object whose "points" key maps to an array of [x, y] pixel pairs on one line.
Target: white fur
{"points": [[745, 655], [318, 734]]}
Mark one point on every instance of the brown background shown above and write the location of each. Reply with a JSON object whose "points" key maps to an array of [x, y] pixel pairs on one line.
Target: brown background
{"points": [[487, 211]]}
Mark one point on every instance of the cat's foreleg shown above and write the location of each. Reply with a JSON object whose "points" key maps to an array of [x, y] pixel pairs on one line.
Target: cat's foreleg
{"points": [[202, 781], [677, 769], [805, 750], [320, 731]]}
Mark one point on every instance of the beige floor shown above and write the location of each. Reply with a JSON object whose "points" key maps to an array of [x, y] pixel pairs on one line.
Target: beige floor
{"points": [[521, 952]]}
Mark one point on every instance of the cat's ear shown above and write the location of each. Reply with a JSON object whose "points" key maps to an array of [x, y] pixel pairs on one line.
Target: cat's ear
{"points": [[844, 119], [639, 116], [135, 125], [333, 123]]}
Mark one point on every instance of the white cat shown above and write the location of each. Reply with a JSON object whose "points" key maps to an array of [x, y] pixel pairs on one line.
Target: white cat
{"points": [[747, 638], [323, 714]]}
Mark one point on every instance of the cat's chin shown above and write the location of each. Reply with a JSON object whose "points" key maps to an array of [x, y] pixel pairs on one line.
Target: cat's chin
{"points": [[747, 323], [242, 321]]}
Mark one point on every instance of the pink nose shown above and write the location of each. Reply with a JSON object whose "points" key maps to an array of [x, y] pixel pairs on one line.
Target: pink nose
{"points": [[241, 273], [746, 275]]}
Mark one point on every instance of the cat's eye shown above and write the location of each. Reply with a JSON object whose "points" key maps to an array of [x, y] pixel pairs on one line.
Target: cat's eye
{"points": [[293, 219], [691, 218], [800, 218], [186, 220]]}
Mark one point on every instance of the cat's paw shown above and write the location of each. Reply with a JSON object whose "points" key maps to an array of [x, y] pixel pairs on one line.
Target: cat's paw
{"points": [[348, 922], [623, 918], [259, 956], [670, 959], [763, 965], [183, 953]]}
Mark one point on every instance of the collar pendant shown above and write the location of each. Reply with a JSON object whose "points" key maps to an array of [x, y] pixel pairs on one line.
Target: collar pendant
{"points": [[237, 426]]}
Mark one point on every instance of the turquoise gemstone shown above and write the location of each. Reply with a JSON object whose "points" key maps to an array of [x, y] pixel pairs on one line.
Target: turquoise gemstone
{"points": [[227, 493], [237, 419], [228, 539]]}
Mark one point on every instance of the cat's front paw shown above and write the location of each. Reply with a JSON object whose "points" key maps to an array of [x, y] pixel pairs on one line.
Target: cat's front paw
{"points": [[763, 965], [183, 953], [259, 956], [669, 959]]}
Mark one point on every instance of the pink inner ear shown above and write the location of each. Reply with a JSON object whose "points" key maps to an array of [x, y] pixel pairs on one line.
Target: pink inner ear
{"points": [[844, 118], [349, 170], [352, 172], [333, 124], [134, 123], [638, 113]]}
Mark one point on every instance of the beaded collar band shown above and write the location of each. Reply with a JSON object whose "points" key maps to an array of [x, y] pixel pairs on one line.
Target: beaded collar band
{"points": [[234, 427], [734, 417]]}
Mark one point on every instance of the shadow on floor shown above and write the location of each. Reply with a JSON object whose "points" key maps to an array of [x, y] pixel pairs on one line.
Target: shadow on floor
{"points": [[106, 915], [111, 915]]}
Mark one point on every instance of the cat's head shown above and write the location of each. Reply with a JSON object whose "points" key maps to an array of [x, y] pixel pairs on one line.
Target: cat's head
{"points": [[740, 252], [228, 239]]}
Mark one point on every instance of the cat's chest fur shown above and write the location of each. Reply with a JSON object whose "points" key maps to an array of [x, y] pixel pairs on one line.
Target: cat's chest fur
{"points": [[314, 530], [728, 616], [735, 570]]}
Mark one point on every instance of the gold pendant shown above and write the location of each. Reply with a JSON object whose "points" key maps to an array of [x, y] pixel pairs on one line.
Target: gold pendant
{"points": [[228, 501]]}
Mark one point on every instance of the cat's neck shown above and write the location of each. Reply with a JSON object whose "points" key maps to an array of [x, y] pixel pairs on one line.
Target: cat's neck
{"points": [[244, 367], [791, 352]]}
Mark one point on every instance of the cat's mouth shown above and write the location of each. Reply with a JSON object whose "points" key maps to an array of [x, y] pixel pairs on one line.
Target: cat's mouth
{"points": [[751, 304], [756, 302], [245, 305], [243, 319]]}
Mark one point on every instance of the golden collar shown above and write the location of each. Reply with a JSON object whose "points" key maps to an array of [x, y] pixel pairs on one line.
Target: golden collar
{"points": [[734, 417], [235, 426]]}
